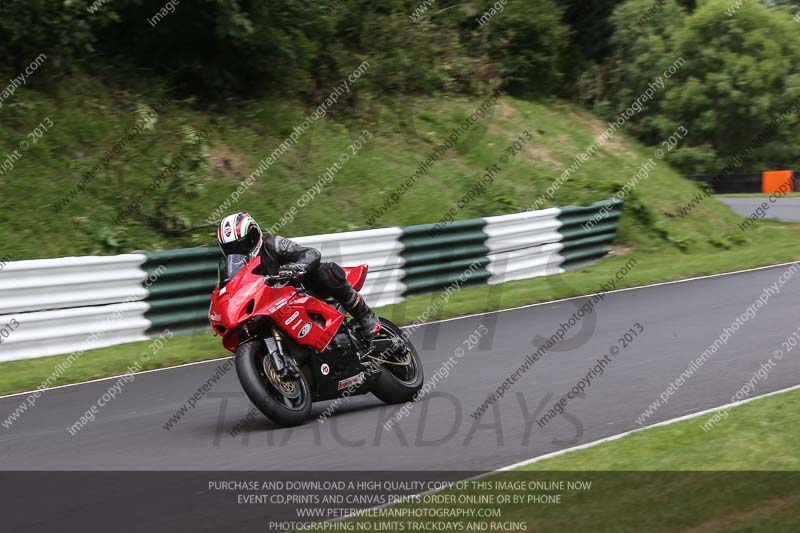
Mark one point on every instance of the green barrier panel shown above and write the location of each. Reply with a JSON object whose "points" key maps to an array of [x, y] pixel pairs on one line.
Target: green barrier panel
{"points": [[436, 257], [588, 232], [180, 297]]}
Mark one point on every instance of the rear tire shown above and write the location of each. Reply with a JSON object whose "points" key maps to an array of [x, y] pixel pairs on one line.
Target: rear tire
{"points": [[391, 387], [264, 395]]}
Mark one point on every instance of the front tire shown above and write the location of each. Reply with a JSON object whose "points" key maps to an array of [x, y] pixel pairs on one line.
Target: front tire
{"points": [[288, 407], [397, 384]]}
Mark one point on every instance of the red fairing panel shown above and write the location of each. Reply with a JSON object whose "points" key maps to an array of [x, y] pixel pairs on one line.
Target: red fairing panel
{"points": [[294, 320], [356, 275], [246, 296]]}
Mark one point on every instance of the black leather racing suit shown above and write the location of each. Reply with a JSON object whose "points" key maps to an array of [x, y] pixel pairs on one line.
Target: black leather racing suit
{"points": [[324, 279]]}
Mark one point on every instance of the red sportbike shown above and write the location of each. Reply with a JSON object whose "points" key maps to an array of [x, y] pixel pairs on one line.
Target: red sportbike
{"points": [[293, 348]]}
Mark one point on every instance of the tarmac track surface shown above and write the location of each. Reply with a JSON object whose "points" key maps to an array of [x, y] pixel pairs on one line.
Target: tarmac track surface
{"points": [[786, 209]]}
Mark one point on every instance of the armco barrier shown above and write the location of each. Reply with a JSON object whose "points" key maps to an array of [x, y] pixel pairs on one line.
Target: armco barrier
{"points": [[731, 183], [180, 296], [69, 282], [754, 182], [43, 333], [434, 258], [79, 303], [524, 245], [582, 245]]}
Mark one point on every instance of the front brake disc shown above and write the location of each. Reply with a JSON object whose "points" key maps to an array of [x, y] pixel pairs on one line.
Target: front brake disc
{"points": [[287, 385]]}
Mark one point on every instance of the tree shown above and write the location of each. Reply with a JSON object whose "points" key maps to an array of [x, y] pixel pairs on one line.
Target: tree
{"points": [[739, 91], [736, 89], [527, 45], [590, 22], [58, 29], [643, 48]]}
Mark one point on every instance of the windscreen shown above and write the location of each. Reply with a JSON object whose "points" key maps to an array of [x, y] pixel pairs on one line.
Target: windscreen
{"points": [[229, 266]]}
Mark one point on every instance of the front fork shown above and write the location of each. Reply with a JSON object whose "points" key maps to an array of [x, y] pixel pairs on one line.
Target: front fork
{"points": [[275, 352]]}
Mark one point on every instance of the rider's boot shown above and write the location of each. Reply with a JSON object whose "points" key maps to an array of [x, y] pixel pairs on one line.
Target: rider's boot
{"points": [[367, 320]]}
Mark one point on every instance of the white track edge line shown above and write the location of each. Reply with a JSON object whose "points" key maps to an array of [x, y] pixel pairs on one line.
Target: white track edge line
{"points": [[658, 424], [498, 311], [696, 278], [117, 376], [574, 449]]}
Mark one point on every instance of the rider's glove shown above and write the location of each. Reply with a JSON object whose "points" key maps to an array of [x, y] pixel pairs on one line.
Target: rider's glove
{"points": [[293, 270]]}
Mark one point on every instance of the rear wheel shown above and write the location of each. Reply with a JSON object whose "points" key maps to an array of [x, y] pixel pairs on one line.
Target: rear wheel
{"points": [[402, 375], [284, 400]]}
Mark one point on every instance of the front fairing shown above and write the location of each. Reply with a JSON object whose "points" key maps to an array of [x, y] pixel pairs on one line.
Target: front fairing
{"points": [[307, 320], [242, 298]]}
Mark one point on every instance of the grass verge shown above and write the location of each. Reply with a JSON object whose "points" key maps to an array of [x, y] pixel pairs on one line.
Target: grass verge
{"points": [[742, 475], [758, 436]]}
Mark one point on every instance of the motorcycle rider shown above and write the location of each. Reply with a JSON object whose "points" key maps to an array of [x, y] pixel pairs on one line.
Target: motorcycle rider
{"points": [[239, 233]]}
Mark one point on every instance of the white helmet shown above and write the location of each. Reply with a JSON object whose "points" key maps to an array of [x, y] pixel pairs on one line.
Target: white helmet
{"points": [[240, 234]]}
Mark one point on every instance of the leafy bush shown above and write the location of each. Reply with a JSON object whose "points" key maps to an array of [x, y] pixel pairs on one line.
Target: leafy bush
{"points": [[737, 90], [251, 47], [60, 30], [741, 81], [218, 48]]}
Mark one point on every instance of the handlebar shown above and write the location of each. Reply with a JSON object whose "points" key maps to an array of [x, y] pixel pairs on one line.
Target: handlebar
{"points": [[278, 279]]}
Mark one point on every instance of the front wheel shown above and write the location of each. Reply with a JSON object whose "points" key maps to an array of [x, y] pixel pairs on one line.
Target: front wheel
{"points": [[284, 400], [402, 376]]}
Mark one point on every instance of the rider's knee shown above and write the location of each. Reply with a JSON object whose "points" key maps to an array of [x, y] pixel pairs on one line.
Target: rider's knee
{"points": [[332, 275]]}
